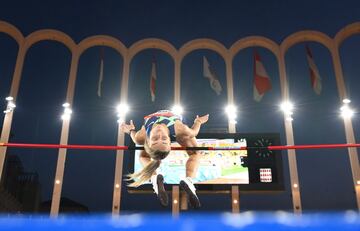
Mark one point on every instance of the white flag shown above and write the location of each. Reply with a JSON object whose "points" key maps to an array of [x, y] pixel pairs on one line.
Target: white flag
{"points": [[209, 73], [153, 80], [101, 75]]}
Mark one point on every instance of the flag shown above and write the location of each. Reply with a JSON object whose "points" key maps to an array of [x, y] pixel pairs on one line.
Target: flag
{"points": [[153, 80], [314, 72], [262, 82], [101, 75], [209, 73]]}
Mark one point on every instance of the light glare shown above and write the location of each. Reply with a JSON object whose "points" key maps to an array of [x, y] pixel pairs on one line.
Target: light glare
{"points": [[287, 107], [66, 104], [65, 116], [231, 113], [9, 98], [177, 109], [67, 111], [122, 108], [230, 109], [346, 111], [346, 101]]}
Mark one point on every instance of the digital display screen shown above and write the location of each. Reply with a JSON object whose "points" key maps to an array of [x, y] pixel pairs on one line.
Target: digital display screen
{"points": [[254, 169], [215, 167]]}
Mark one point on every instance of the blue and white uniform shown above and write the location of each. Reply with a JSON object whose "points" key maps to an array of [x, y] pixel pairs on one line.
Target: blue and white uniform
{"points": [[161, 117]]}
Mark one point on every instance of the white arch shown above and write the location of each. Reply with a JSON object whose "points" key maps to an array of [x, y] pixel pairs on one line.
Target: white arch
{"points": [[252, 41], [346, 32], [303, 36], [12, 31], [203, 44], [49, 34], [102, 40], [152, 43]]}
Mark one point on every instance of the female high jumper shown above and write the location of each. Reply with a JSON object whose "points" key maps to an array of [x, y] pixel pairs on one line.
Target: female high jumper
{"points": [[156, 135]]}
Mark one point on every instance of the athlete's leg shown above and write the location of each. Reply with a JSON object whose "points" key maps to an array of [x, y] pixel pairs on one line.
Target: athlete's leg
{"points": [[192, 165], [187, 184], [157, 180]]}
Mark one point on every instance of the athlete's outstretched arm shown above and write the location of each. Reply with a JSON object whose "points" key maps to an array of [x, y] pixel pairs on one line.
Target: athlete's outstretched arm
{"points": [[183, 132], [138, 137], [197, 124]]}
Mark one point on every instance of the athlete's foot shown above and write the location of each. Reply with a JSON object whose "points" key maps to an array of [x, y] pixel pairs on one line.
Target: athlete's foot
{"points": [[188, 186], [158, 186]]}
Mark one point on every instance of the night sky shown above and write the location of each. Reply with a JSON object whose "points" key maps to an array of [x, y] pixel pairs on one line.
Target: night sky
{"points": [[325, 175]]}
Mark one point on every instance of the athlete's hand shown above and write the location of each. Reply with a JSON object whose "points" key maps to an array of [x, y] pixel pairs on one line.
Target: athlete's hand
{"points": [[127, 127], [201, 119]]}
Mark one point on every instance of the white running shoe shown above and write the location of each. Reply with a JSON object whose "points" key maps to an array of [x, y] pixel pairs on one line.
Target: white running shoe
{"points": [[187, 185], [158, 186]]}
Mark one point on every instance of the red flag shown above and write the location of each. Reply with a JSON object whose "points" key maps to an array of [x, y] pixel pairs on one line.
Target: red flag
{"points": [[314, 72], [262, 81], [153, 80]]}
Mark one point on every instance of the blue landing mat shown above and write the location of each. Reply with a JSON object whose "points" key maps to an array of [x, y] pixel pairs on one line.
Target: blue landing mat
{"points": [[188, 222]]}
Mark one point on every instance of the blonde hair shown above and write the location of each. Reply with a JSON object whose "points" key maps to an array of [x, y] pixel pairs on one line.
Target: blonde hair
{"points": [[145, 174]]}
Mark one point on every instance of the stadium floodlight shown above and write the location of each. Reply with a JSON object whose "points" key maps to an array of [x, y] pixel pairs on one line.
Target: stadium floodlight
{"points": [[346, 111], [346, 101], [122, 109], [9, 98], [10, 104], [287, 107], [66, 104], [67, 111], [231, 111], [177, 109]]}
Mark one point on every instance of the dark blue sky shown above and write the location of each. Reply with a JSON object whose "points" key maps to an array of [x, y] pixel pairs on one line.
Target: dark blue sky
{"points": [[45, 73]]}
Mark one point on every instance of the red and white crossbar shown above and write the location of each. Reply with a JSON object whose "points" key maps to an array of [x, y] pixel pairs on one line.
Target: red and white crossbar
{"points": [[104, 147]]}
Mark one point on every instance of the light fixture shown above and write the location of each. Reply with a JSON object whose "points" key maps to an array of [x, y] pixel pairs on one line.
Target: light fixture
{"points": [[67, 111], [122, 109], [177, 109], [10, 104], [231, 111], [346, 101], [287, 107], [66, 104], [345, 110]]}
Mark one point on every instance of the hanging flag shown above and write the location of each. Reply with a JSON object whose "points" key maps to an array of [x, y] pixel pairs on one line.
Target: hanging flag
{"points": [[262, 82], [153, 80], [209, 73], [314, 72], [101, 75]]}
